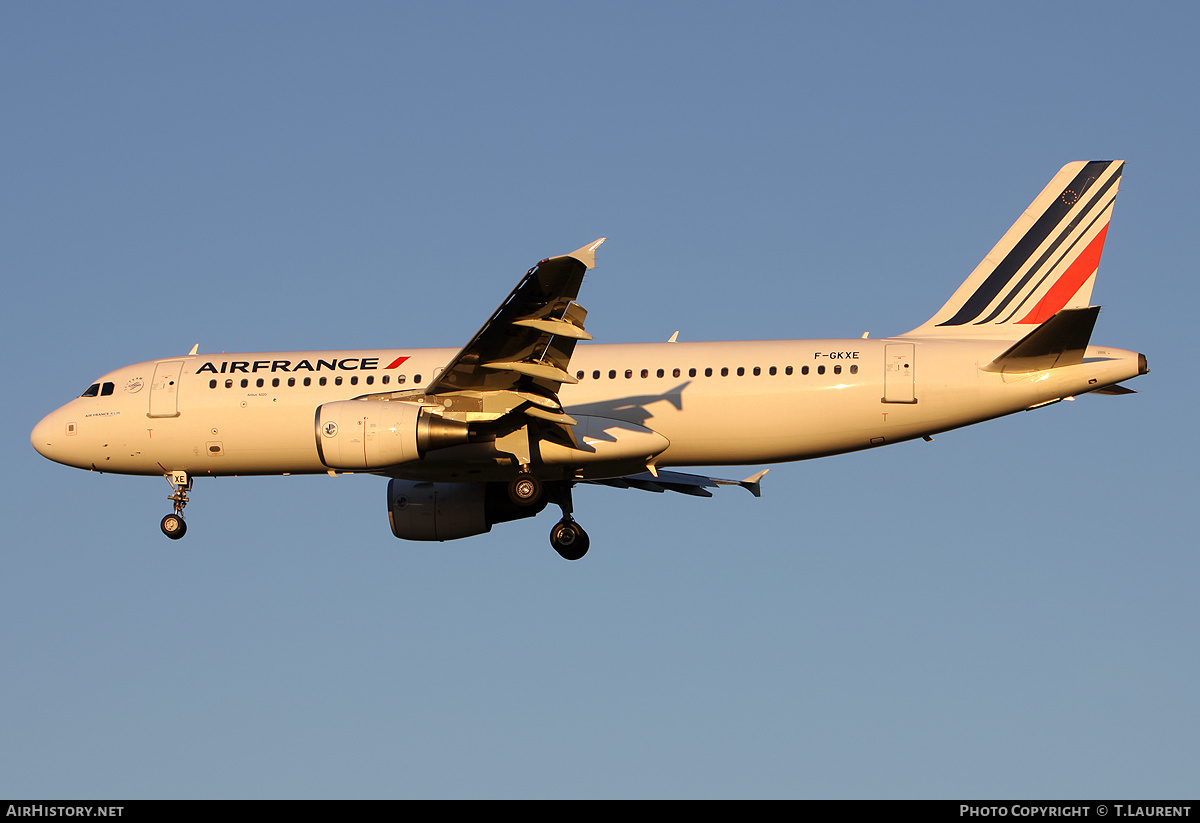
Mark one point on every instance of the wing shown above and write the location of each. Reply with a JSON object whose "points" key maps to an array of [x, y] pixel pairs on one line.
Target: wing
{"points": [[526, 345], [512, 369], [693, 484]]}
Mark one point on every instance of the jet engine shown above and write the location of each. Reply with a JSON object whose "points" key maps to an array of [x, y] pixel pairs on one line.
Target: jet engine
{"points": [[448, 511], [374, 434]]}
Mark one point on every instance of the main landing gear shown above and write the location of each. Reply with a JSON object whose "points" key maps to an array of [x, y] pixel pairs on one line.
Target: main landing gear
{"points": [[173, 525], [525, 489], [567, 537]]}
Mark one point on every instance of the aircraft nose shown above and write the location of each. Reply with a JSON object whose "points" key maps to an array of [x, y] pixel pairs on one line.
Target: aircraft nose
{"points": [[42, 436]]}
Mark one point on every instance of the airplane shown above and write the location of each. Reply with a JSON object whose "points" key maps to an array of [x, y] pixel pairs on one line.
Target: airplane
{"points": [[521, 415]]}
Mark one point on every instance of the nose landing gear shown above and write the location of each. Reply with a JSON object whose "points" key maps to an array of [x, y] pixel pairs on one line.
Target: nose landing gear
{"points": [[173, 525]]}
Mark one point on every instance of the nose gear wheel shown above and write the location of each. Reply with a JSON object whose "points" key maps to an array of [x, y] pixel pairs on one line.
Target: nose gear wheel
{"points": [[173, 525]]}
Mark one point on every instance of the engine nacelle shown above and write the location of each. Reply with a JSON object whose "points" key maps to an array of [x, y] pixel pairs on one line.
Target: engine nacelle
{"points": [[374, 434], [448, 511]]}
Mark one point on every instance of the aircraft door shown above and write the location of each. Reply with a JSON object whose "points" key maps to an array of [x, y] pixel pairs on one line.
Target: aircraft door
{"points": [[898, 373], [164, 389]]}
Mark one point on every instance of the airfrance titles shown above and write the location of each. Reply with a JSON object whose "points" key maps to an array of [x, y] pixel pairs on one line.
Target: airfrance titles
{"points": [[250, 366]]}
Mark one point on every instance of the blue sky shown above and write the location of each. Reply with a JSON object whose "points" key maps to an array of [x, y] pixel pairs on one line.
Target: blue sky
{"points": [[1007, 612]]}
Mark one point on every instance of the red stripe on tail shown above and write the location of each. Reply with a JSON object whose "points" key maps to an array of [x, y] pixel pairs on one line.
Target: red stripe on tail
{"points": [[1071, 281]]}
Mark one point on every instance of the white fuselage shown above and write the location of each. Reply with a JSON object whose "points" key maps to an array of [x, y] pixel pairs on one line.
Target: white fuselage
{"points": [[725, 403]]}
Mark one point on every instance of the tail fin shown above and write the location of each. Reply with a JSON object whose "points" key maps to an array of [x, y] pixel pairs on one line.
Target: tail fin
{"points": [[1046, 262]]}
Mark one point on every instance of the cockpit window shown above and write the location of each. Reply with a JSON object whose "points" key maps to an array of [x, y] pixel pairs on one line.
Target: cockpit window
{"points": [[106, 389], [92, 390]]}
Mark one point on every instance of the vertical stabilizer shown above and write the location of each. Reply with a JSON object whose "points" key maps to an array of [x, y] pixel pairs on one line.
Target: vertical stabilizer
{"points": [[1046, 262]]}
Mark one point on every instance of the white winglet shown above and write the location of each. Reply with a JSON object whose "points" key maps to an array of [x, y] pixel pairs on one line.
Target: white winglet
{"points": [[587, 255]]}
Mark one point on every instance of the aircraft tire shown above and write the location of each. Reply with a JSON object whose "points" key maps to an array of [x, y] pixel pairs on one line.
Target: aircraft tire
{"points": [[570, 540], [525, 490], [173, 526]]}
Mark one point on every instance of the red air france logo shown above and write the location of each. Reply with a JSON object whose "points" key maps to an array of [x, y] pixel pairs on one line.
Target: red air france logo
{"points": [[397, 363]]}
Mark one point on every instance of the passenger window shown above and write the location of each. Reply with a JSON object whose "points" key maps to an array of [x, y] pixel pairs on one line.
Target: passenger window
{"points": [[741, 371], [708, 372], [645, 373], [337, 381], [724, 371], [416, 378], [628, 373], [275, 382], [259, 382], [771, 371], [91, 390], [229, 384], [323, 381], [596, 374], [370, 379], [854, 369], [399, 379], [245, 383], [579, 375], [387, 378], [691, 372], [612, 374], [354, 380], [820, 369], [291, 382], [788, 370], [804, 369], [212, 384], [308, 381], [837, 369], [675, 373], [757, 371]]}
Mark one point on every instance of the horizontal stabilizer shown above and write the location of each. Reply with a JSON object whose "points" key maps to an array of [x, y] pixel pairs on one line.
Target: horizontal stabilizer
{"points": [[1060, 341], [1115, 388]]}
